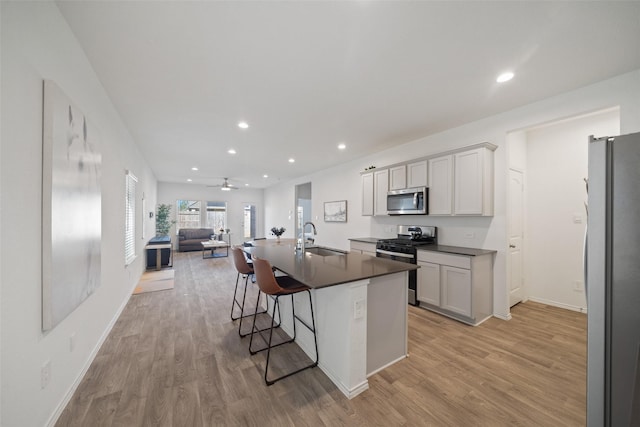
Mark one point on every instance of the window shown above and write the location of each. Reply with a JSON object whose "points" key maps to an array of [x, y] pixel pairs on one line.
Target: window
{"points": [[188, 214], [130, 218], [191, 215], [216, 216]]}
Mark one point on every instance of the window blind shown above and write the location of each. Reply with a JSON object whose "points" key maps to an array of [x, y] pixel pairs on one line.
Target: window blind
{"points": [[130, 218]]}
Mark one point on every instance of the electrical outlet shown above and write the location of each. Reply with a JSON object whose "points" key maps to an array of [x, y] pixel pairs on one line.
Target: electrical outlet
{"points": [[578, 286], [45, 374], [358, 309]]}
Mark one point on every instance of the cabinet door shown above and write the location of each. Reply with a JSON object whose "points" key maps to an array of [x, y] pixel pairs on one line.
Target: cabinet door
{"points": [[456, 289], [468, 183], [417, 174], [367, 194], [381, 188], [398, 178], [440, 185], [428, 285]]}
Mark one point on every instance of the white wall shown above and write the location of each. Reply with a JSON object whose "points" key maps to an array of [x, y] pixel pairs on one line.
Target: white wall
{"points": [[37, 44], [556, 157], [343, 181], [169, 193]]}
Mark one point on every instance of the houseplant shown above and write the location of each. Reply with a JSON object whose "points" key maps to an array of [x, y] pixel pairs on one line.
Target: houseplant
{"points": [[163, 223], [278, 232]]}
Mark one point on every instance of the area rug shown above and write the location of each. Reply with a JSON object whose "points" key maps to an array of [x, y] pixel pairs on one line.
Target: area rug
{"points": [[152, 281]]}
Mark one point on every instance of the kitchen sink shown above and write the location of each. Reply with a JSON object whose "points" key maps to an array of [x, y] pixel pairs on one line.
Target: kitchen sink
{"points": [[318, 250]]}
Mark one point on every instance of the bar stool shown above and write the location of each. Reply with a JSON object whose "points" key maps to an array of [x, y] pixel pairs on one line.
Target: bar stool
{"points": [[246, 270], [280, 286]]}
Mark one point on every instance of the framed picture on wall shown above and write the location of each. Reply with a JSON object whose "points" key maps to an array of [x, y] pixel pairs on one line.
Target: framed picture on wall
{"points": [[335, 211]]}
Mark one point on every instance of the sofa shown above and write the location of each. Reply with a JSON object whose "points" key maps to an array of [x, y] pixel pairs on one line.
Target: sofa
{"points": [[189, 238]]}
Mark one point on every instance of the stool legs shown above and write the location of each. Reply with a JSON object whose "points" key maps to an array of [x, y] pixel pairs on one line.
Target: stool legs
{"points": [[237, 303], [269, 346]]}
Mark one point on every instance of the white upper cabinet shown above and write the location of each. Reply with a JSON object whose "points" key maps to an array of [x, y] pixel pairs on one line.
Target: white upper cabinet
{"points": [[417, 174], [380, 190], [367, 193], [440, 185], [398, 177], [460, 182], [473, 183]]}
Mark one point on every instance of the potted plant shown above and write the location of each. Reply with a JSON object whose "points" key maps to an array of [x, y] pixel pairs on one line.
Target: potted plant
{"points": [[278, 232], [163, 223]]}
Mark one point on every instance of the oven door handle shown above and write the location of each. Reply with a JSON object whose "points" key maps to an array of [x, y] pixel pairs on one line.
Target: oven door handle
{"points": [[398, 254]]}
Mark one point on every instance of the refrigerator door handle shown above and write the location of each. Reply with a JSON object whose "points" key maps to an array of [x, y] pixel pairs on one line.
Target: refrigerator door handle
{"points": [[585, 267]]}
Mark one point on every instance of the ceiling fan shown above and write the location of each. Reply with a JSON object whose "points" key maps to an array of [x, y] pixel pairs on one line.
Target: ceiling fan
{"points": [[226, 186]]}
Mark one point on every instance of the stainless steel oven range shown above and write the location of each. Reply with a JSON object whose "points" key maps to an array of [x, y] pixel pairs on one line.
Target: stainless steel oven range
{"points": [[405, 247]]}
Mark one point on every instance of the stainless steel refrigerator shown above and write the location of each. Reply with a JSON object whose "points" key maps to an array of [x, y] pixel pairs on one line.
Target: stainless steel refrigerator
{"points": [[613, 282]]}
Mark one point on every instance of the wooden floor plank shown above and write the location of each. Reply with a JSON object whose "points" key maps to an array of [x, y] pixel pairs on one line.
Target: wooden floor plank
{"points": [[174, 357]]}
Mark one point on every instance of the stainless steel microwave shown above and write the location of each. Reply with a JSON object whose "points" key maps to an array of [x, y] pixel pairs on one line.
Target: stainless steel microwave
{"points": [[410, 201]]}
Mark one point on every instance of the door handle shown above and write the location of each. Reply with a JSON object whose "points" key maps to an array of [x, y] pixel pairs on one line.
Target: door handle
{"points": [[512, 246]]}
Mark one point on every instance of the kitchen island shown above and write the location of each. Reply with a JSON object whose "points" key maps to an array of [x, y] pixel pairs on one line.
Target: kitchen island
{"points": [[360, 305]]}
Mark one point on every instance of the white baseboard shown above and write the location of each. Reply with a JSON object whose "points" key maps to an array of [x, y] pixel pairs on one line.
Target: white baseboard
{"points": [[558, 304], [67, 398], [404, 356], [502, 316]]}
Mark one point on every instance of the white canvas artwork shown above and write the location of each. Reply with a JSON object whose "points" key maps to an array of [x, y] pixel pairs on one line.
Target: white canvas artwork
{"points": [[71, 207]]}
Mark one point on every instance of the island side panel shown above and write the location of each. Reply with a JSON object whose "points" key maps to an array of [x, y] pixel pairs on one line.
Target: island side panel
{"points": [[341, 332], [342, 335], [386, 321]]}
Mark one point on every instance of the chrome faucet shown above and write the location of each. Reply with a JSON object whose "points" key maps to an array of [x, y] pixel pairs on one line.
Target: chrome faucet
{"points": [[303, 240]]}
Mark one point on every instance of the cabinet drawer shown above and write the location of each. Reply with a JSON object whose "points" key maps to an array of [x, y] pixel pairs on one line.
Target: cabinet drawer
{"points": [[459, 261], [361, 246]]}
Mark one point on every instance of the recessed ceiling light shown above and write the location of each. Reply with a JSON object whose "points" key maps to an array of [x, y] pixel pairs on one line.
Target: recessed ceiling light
{"points": [[189, 180], [231, 151], [265, 176], [246, 185], [292, 160], [194, 168], [342, 146], [505, 77], [243, 125]]}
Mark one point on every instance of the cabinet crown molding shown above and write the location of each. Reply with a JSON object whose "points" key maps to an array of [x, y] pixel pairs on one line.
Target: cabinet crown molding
{"points": [[487, 145]]}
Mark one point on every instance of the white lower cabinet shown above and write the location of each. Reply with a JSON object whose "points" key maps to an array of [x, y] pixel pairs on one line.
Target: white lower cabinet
{"points": [[456, 290], [457, 286], [428, 285], [363, 248]]}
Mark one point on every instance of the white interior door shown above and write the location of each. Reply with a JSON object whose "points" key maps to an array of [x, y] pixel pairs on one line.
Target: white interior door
{"points": [[516, 215]]}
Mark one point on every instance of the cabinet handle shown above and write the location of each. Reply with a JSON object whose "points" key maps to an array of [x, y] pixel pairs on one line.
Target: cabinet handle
{"points": [[512, 246]]}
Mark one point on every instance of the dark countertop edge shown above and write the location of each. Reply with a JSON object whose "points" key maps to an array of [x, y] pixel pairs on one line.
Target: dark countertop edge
{"points": [[364, 239], [456, 250]]}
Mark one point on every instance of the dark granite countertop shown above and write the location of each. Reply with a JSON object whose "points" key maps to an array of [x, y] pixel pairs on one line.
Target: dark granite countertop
{"points": [[365, 239], [456, 250], [318, 271]]}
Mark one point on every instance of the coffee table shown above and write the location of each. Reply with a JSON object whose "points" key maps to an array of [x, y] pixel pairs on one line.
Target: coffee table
{"points": [[209, 249]]}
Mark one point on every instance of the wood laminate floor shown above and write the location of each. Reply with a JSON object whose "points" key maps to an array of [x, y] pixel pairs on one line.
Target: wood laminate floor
{"points": [[174, 358]]}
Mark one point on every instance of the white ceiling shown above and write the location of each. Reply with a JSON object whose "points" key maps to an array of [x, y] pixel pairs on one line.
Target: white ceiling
{"points": [[309, 75]]}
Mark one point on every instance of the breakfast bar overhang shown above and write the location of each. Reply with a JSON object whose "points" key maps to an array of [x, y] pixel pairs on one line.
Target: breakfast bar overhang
{"points": [[360, 305]]}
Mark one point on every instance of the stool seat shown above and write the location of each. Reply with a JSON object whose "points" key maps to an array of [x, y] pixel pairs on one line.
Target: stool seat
{"points": [[290, 285]]}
